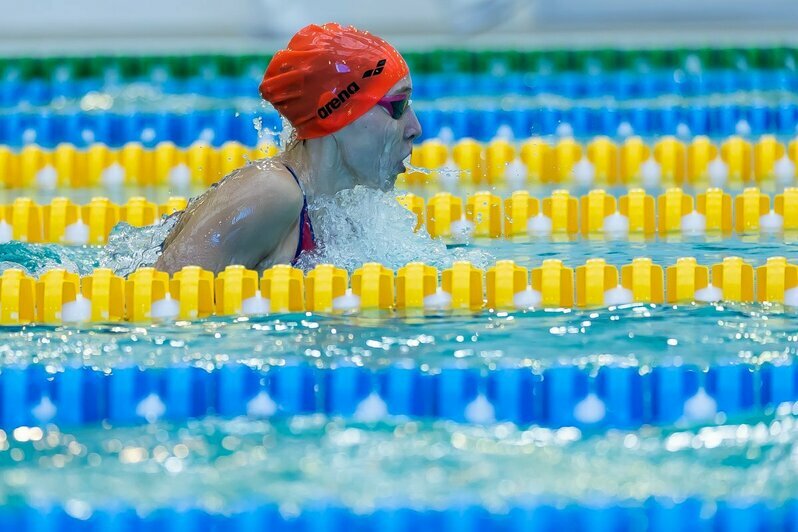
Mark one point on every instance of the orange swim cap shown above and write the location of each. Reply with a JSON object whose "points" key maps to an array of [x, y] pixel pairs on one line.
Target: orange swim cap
{"points": [[329, 76]]}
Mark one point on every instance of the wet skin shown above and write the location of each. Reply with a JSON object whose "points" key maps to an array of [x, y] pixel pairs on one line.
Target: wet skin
{"points": [[252, 216]]}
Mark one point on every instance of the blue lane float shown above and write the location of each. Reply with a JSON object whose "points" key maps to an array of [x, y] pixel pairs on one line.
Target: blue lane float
{"points": [[669, 388], [608, 397], [657, 514], [218, 126], [573, 85]]}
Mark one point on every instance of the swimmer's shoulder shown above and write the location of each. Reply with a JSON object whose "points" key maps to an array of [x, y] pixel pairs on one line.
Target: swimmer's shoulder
{"points": [[273, 186]]}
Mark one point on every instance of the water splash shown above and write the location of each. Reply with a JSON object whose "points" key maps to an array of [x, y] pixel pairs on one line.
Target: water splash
{"points": [[36, 259], [128, 248], [362, 225], [131, 247]]}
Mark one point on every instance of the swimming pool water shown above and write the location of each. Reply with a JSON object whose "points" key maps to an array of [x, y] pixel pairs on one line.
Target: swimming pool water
{"points": [[212, 462], [224, 466], [595, 419], [637, 335], [527, 252]]}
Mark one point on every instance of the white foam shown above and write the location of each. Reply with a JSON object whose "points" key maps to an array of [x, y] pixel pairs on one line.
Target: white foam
{"points": [[256, 304], [771, 222], [718, 172], [784, 171], [700, 407], [516, 174], [47, 178], [564, 130], [650, 173], [77, 311], [539, 225], [113, 176], [449, 175], [165, 309], [480, 410], [709, 294], [615, 226], [791, 297], [45, 410], [693, 224], [446, 135], [683, 131], [584, 172], [6, 232], [462, 230], [440, 300], [364, 225], [505, 132], [371, 409], [151, 408], [528, 298], [76, 233], [348, 302], [180, 177], [625, 130], [590, 410], [261, 405], [743, 128], [618, 296]]}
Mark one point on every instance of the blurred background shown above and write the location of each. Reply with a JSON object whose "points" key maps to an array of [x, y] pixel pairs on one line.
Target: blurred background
{"points": [[55, 25]]}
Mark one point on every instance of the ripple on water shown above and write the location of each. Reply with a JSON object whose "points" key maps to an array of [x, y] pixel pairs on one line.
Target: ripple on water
{"points": [[222, 464], [644, 335]]}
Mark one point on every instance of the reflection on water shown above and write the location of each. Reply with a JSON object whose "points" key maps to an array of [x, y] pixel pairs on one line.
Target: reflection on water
{"points": [[643, 335], [213, 463], [354, 234], [222, 464]]}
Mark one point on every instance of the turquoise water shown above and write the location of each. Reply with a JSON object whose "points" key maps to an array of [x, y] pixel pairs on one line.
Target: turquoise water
{"points": [[641, 335], [223, 465], [36, 258]]}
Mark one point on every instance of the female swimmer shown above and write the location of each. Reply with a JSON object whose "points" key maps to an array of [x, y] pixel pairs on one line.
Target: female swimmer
{"points": [[346, 94]]}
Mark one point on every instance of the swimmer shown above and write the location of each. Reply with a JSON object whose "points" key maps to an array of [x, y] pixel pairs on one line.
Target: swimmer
{"points": [[346, 94]]}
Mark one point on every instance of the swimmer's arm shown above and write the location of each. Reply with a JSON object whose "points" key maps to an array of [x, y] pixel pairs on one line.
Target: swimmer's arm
{"points": [[244, 221]]}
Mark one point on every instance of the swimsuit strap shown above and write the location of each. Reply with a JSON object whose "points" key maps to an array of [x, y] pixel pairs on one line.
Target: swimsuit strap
{"points": [[298, 182], [307, 240]]}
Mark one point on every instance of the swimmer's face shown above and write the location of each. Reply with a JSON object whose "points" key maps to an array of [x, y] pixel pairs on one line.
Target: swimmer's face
{"points": [[374, 146]]}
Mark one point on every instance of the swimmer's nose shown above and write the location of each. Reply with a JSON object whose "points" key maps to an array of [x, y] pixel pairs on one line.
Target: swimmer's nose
{"points": [[412, 127]]}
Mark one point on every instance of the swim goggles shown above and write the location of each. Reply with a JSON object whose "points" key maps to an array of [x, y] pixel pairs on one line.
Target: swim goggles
{"points": [[395, 105]]}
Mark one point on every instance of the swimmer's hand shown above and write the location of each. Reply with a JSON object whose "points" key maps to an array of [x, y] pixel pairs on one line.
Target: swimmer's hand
{"points": [[246, 219]]}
